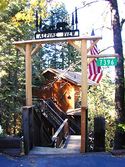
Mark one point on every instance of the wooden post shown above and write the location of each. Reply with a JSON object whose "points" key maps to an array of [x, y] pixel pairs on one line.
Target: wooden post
{"points": [[28, 128], [25, 116], [28, 66], [84, 84], [31, 127]]}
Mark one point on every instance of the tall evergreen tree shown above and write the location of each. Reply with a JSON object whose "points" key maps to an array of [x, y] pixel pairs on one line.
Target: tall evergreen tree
{"points": [[119, 94], [16, 23]]}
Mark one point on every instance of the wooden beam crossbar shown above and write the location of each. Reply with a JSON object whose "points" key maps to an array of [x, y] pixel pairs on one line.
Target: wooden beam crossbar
{"points": [[33, 51], [78, 48], [54, 40], [102, 55], [72, 43], [92, 45], [39, 45], [21, 49]]}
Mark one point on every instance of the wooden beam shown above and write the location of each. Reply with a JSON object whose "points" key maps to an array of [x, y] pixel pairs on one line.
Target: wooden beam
{"points": [[102, 56], [52, 40], [92, 44], [21, 49], [36, 49], [72, 43], [90, 60], [28, 68], [54, 137], [84, 93]]}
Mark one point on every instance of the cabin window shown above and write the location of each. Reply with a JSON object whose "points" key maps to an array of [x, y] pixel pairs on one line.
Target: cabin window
{"points": [[69, 97]]}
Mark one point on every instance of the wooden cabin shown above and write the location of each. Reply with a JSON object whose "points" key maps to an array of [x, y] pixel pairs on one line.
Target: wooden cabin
{"points": [[63, 87]]}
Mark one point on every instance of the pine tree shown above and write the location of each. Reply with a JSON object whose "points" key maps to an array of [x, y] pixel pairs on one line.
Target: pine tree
{"points": [[119, 95]]}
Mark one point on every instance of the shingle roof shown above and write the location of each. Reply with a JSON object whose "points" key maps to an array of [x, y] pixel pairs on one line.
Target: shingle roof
{"points": [[71, 76]]}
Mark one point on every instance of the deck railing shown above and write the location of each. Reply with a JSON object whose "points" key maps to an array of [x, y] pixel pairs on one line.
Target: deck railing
{"points": [[60, 135]]}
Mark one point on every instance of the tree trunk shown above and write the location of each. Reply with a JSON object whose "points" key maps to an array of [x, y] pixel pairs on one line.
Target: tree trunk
{"points": [[119, 82]]}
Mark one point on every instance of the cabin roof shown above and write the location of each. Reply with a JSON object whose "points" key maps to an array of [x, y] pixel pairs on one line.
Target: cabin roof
{"points": [[71, 76]]}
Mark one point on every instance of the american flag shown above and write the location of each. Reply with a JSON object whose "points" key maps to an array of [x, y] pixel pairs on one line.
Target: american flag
{"points": [[94, 71]]}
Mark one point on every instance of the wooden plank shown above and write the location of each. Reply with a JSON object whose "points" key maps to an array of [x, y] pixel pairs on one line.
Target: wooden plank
{"points": [[59, 130], [76, 111], [28, 69], [84, 93], [52, 40], [73, 142], [102, 56], [92, 57]]}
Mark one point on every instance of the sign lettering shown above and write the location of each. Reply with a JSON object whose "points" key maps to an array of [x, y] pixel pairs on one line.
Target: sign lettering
{"points": [[106, 61]]}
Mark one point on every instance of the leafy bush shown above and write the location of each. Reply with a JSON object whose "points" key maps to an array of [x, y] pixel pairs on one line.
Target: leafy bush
{"points": [[101, 103]]}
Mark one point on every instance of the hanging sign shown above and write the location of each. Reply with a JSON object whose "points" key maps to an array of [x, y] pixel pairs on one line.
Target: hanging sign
{"points": [[56, 29], [106, 61]]}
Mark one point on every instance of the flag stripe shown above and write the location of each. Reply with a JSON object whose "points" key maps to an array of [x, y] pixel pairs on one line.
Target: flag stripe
{"points": [[94, 71]]}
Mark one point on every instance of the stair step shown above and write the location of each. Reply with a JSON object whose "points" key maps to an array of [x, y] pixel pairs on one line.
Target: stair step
{"points": [[73, 142], [53, 151]]}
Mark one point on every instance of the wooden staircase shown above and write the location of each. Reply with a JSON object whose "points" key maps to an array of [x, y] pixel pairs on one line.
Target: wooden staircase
{"points": [[73, 126], [51, 125]]}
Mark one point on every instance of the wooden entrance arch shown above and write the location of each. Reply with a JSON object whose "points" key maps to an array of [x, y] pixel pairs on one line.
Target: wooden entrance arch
{"points": [[80, 43]]}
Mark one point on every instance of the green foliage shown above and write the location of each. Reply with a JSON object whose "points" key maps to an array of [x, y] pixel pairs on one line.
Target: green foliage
{"points": [[38, 66], [101, 103], [3, 4], [14, 26], [121, 127]]}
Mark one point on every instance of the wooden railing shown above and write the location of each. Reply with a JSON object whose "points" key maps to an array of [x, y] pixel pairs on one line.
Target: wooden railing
{"points": [[73, 128], [54, 113], [60, 135]]}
